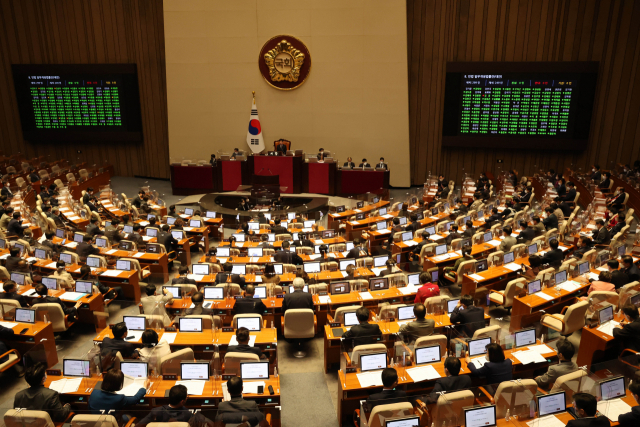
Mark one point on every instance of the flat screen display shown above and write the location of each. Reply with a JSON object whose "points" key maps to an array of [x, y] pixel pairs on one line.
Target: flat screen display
{"points": [[427, 354]]}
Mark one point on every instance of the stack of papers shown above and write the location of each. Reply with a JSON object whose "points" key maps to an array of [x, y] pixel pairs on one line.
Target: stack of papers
{"points": [[71, 244], [513, 266], [541, 348], [131, 385], [435, 237], [377, 270], [194, 387], [479, 362], [548, 421], [251, 387], [196, 277], [410, 242], [441, 257], [476, 277], [383, 231], [543, 296], [169, 337], [138, 254], [570, 286], [72, 296], [319, 242], [144, 223], [324, 299], [111, 273], [252, 340], [528, 356], [147, 238], [66, 385], [344, 273], [613, 408], [314, 256], [494, 242], [135, 336], [607, 328], [408, 290], [29, 292], [370, 379], [593, 276], [423, 373], [387, 216], [366, 295], [111, 251], [258, 279]]}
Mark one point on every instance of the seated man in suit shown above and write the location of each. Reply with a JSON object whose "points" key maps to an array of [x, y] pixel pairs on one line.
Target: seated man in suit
{"points": [[508, 240], [93, 229], [628, 334], [551, 221], [182, 278], [197, 299], [285, 256], [601, 234], [281, 148], [43, 292], [389, 383], [495, 216], [570, 195], [226, 276], [420, 327], [381, 164], [242, 336], [238, 409], [135, 236], [85, 248], [584, 245], [595, 173], [110, 346], [11, 292], [538, 226], [452, 380], [453, 234], [277, 228], [555, 256], [155, 304], [175, 411], [349, 163], [585, 406], [236, 153], [249, 304], [364, 331], [565, 365], [359, 249], [40, 398], [321, 156], [632, 419], [526, 233], [469, 317], [15, 225], [364, 164], [469, 230], [618, 277], [299, 298]]}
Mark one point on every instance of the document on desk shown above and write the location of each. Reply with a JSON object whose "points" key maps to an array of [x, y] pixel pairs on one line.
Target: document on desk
{"points": [[221, 259], [131, 385], [252, 340], [314, 256], [607, 328], [602, 269], [548, 421], [344, 273], [5, 256], [494, 242], [258, 279], [73, 218], [9, 325], [147, 238], [71, 244], [370, 379], [324, 299], [353, 222], [111, 251], [528, 356], [72, 296], [194, 387], [408, 290], [111, 273], [612, 409], [366, 295], [423, 373], [435, 237], [513, 266], [410, 242], [251, 387], [138, 254], [135, 336], [593, 276], [169, 337], [441, 257], [196, 277], [318, 242], [479, 362], [145, 223], [387, 216], [66, 385], [476, 277], [564, 248], [540, 348], [383, 231], [544, 296], [570, 286], [29, 292], [187, 228], [377, 270]]}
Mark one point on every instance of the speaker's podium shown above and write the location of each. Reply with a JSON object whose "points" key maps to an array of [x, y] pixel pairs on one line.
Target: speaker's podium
{"points": [[264, 188]]}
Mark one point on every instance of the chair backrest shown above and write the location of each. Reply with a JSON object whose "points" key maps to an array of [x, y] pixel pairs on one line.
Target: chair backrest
{"points": [[136, 265], [54, 313], [236, 316], [9, 304], [569, 383], [514, 395], [234, 287], [602, 296], [512, 290], [24, 418], [208, 321], [299, 323], [574, 317], [389, 311], [83, 420], [449, 408], [492, 331], [464, 267], [232, 361], [170, 364], [359, 350], [380, 413], [430, 340], [155, 320]]}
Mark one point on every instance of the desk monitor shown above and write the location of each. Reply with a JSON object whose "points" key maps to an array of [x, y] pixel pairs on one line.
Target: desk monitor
{"points": [[447, 226], [359, 205], [312, 267], [350, 319], [239, 269], [400, 205], [441, 249], [434, 211], [240, 237], [254, 370], [411, 421], [188, 324], [427, 354], [612, 388], [560, 277], [123, 264], [76, 368], [344, 263], [532, 248], [210, 214], [340, 288], [480, 214], [3, 243], [622, 249], [434, 276], [20, 248], [19, 278], [552, 403], [60, 233], [260, 292], [151, 232], [128, 229], [267, 216], [135, 323], [84, 287], [24, 315], [420, 216], [635, 300], [533, 287], [380, 260], [50, 283], [482, 265], [78, 238], [200, 269], [339, 209], [406, 313], [378, 284], [251, 323], [279, 269], [375, 200], [150, 216], [292, 289], [135, 369], [177, 234], [316, 249], [509, 257], [525, 337], [414, 200], [174, 290], [328, 234], [254, 252], [483, 416], [309, 223], [194, 370], [382, 211], [605, 314], [407, 235], [195, 223], [413, 279], [171, 220], [583, 268], [213, 292], [292, 215], [451, 305], [40, 253], [188, 211], [127, 246], [360, 216], [373, 361], [254, 226], [271, 237], [83, 214], [403, 220], [223, 251], [350, 246], [381, 225], [465, 242], [478, 346], [93, 261], [431, 230], [487, 236]]}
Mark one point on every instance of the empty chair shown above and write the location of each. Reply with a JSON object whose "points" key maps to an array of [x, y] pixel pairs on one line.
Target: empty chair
{"points": [[380, 413], [23, 418], [449, 407], [440, 340], [570, 320], [505, 298], [170, 364], [514, 396], [299, 325], [232, 361]]}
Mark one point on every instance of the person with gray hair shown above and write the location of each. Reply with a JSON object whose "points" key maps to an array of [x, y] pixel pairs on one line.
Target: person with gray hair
{"points": [[298, 298]]}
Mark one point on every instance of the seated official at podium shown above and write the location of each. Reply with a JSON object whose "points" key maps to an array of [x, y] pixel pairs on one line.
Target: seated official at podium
{"points": [[321, 154], [281, 148], [236, 153], [349, 163], [248, 304], [381, 164], [364, 164]]}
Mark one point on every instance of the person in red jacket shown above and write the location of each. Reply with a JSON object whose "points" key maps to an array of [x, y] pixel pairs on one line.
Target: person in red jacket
{"points": [[427, 289]]}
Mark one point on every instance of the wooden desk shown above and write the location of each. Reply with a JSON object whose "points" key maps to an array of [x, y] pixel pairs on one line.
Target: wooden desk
{"points": [[334, 218], [354, 181], [90, 303], [37, 333]]}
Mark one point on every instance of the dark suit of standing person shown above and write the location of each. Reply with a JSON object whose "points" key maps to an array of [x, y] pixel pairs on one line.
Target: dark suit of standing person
{"points": [[363, 331], [237, 405], [470, 318], [299, 298], [40, 398]]}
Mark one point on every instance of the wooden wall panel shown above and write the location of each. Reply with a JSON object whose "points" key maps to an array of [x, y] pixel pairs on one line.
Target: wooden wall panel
{"points": [[524, 30], [89, 32]]}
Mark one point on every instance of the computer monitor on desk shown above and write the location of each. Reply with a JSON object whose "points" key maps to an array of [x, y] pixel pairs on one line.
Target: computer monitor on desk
{"points": [[380, 260], [612, 388], [560, 277], [194, 371], [508, 258], [340, 288], [373, 361], [533, 287], [478, 346], [251, 323], [223, 251], [254, 370], [350, 319], [441, 250], [525, 337], [378, 284], [213, 292], [605, 314], [483, 416], [428, 354], [550, 404], [411, 421]]}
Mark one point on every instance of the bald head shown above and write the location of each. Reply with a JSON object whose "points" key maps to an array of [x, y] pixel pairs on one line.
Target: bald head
{"points": [[250, 290]]}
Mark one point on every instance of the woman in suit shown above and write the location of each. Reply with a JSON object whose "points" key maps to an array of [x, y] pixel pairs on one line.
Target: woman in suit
{"points": [[497, 369], [270, 278], [108, 399]]}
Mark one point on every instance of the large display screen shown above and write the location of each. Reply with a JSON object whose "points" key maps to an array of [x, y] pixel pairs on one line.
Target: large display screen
{"points": [[538, 105], [78, 102]]}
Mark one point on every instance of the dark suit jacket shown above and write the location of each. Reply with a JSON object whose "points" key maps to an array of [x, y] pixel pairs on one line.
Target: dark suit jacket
{"points": [[278, 229], [15, 227], [494, 372], [237, 404], [632, 272], [297, 299], [16, 296], [41, 398], [363, 333], [244, 348], [355, 253], [349, 165], [385, 394], [183, 280], [85, 249], [619, 278], [114, 235], [366, 165], [628, 335], [550, 222], [600, 421], [554, 257], [452, 236], [527, 234], [601, 237], [112, 345], [471, 319], [136, 238], [287, 257], [570, 196], [166, 413], [384, 166], [235, 278], [630, 419], [106, 400], [166, 239], [93, 229], [281, 148], [468, 233], [453, 383], [198, 309], [596, 176], [6, 192], [248, 305]]}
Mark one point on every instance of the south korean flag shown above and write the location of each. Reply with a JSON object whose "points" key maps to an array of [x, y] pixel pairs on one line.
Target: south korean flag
{"points": [[254, 134]]}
